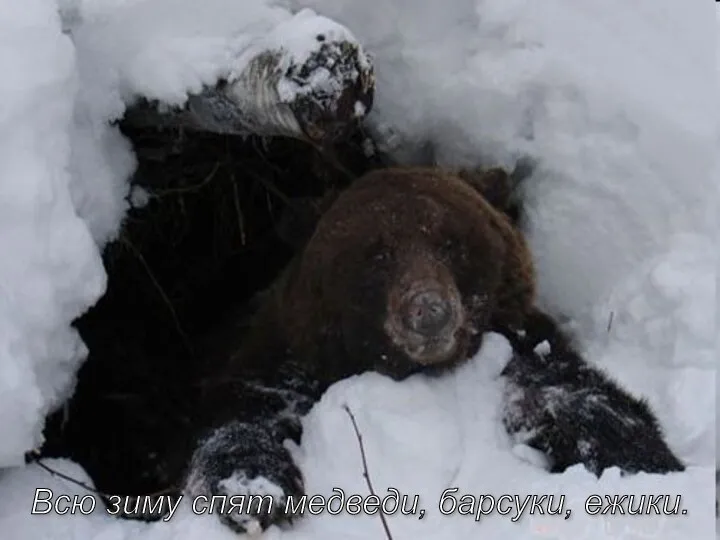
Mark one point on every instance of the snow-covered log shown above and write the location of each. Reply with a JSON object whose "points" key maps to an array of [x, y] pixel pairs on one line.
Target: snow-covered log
{"points": [[308, 78]]}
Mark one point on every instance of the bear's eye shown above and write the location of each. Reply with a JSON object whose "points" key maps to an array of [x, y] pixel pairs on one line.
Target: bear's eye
{"points": [[383, 255], [378, 252], [448, 249]]}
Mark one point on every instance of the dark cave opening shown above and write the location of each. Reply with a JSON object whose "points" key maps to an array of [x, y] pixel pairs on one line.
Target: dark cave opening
{"points": [[181, 277]]}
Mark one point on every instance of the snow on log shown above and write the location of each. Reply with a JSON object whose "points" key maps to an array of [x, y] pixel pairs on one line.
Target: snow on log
{"points": [[308, 78]]}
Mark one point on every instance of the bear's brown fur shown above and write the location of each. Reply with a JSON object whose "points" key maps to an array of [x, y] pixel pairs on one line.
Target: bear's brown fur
{"points": [[419, 237]]}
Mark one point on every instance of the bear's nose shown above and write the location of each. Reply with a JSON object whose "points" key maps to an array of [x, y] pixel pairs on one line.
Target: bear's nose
{"points": [[427, 313]]}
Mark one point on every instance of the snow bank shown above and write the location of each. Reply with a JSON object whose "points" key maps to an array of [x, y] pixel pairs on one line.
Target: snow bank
{"points": [[657, 331], [619, 219], [163, 49], [421, 437], [50, 270]]}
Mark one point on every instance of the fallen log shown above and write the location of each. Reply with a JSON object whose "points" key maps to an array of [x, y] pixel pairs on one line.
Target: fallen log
{"points": [[308, 79]]}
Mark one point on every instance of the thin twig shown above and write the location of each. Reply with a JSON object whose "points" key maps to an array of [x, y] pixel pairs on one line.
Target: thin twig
{"points": [[269, 186], [186, 189], [238, 210], [610, 321], [70, 479], [330, 157], [366, 473], [161, 291], [92, 489]]}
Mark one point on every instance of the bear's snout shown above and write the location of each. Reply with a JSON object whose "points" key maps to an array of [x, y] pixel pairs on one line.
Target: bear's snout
{"points": [[424, 318], [427, 313]]}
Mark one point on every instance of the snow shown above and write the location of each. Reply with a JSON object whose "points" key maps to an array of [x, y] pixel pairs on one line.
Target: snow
{"points": [[543, 348], [239, 483], [620, 219], [153, 49], [50, 270]]}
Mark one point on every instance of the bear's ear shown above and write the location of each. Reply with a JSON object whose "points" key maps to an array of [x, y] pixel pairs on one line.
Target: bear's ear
{"points": [[501, 188], [494, 184]]}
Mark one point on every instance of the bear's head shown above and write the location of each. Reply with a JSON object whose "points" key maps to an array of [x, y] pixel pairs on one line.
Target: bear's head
{"points": [[403, 273]]}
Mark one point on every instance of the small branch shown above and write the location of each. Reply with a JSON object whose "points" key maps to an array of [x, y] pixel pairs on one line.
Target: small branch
{"points": [[328, 154], [105, 497], [269, 186], [70, 479], [36, 459], [610, 321], [366, 473], [188, 189], [238, 210], [161, 292]]}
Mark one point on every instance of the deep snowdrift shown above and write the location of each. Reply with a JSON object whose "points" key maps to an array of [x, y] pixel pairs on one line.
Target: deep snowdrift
{"points": [[421, 437], [614, 100], [51, 270]]}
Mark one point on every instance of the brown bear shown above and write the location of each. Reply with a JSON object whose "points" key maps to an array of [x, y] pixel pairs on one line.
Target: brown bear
{"points": [[404, 273]]}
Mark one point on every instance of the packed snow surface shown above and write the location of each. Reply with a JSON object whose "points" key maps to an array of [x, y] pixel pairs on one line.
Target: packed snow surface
{"points": [[613, 99]]}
